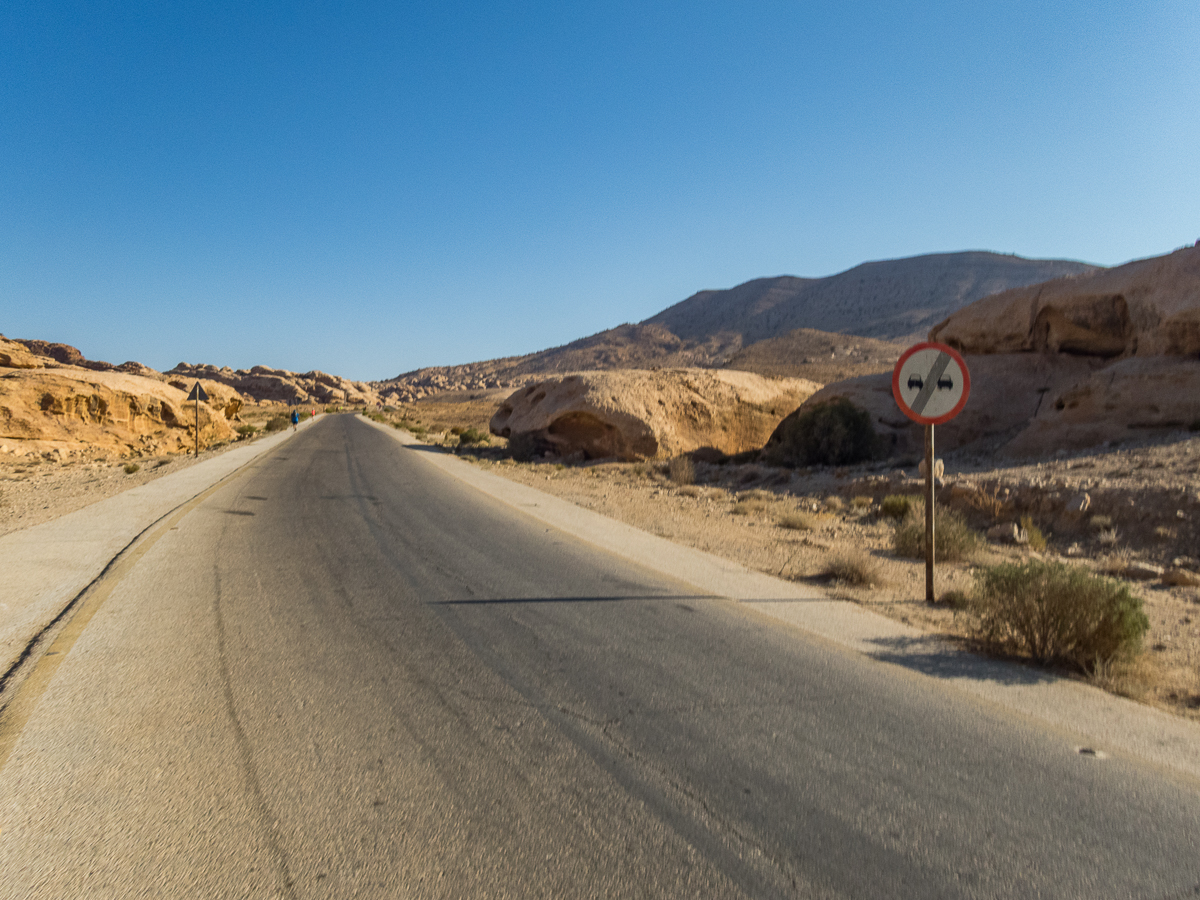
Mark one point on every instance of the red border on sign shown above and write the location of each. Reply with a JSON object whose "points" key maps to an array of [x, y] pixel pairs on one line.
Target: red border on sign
{"points": [[962, 401]]}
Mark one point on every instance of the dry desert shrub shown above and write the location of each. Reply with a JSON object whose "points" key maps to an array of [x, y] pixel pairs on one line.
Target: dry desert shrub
{"points": [[1060, 614], [682, 470], [862, 503], [953, 539], [896, 506], [854, 567], [747, 507], [834, 503], [1037, 540], [798, 521], [987, 500], [689, 490], [130, 468], [764, 496]]}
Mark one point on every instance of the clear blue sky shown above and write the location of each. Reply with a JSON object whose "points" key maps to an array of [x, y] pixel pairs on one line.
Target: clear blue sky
{"points": [[369, 187]]}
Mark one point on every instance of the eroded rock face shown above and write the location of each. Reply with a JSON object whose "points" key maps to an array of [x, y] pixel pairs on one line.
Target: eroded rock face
{"points": [[1150, 307], [14, 355], [282, 386], [637, 414], [71, 411], [1068, 364]]}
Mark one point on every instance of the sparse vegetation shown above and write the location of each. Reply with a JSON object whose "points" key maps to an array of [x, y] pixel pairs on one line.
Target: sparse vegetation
{"points": [[953, 539], [277, 423], [955, 599], [524, 447], [470, 436], [682, 470], [854, 567], [896, 506], [834, 503], [747, 507], [1055, 613], [798, 521], [862, 503], [836, 433], [1099, 523], [689, 490], [247, 431], [130, 468], [987, 500], [1037, 540]]}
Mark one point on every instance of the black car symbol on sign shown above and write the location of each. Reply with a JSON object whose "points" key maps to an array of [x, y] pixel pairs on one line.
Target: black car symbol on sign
{"points": [[914, 381], [945, 384]]}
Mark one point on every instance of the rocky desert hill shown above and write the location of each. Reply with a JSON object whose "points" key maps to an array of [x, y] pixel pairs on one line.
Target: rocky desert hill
{"points": [[889, 301], [1071, 363], [56, 403]]}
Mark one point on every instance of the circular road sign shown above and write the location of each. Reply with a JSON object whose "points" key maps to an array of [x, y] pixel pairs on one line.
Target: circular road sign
{"points": [[931, 383]]}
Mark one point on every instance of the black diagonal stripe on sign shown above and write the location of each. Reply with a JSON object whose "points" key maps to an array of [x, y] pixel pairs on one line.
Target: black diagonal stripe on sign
{"points": [[930, 385]]}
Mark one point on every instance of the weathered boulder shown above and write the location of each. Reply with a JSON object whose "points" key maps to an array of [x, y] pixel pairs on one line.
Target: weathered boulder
{"points": [[1007, 392], [1129, 396], [73, 411], [15, 355], [639, 414], [1150, 307]]}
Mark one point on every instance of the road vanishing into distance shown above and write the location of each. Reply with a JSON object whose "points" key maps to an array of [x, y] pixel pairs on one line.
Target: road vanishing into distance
{"points": [[345, 673]]}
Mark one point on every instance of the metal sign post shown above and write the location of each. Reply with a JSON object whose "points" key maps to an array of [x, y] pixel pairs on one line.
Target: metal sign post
{"points": [[930, 384], [198, 394]]}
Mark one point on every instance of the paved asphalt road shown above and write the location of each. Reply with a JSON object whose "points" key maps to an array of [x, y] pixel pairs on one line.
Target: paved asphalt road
{"points": [[343, 673]]}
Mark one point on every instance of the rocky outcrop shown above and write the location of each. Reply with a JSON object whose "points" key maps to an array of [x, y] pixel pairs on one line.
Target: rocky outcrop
{"points": [[638, 414], [1150, 307], [68, 411], [282, 386], [15, 355], [1069, 364]]}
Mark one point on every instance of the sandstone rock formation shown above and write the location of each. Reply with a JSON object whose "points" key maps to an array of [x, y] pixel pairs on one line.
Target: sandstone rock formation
{"points": [[69, 411], [281, 385], [639, 414], [1150, 307], [14, 355], [1068, 364]]}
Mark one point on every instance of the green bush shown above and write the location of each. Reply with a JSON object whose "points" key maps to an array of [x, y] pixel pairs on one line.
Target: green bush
{"points": [[247, 430], [277, 423], [835, 433], [1057, 613], [897, 506], [130, 468], [953, 539]]}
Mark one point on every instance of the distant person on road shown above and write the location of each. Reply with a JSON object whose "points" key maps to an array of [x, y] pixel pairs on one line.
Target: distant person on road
{"points": [[295, 419]]}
